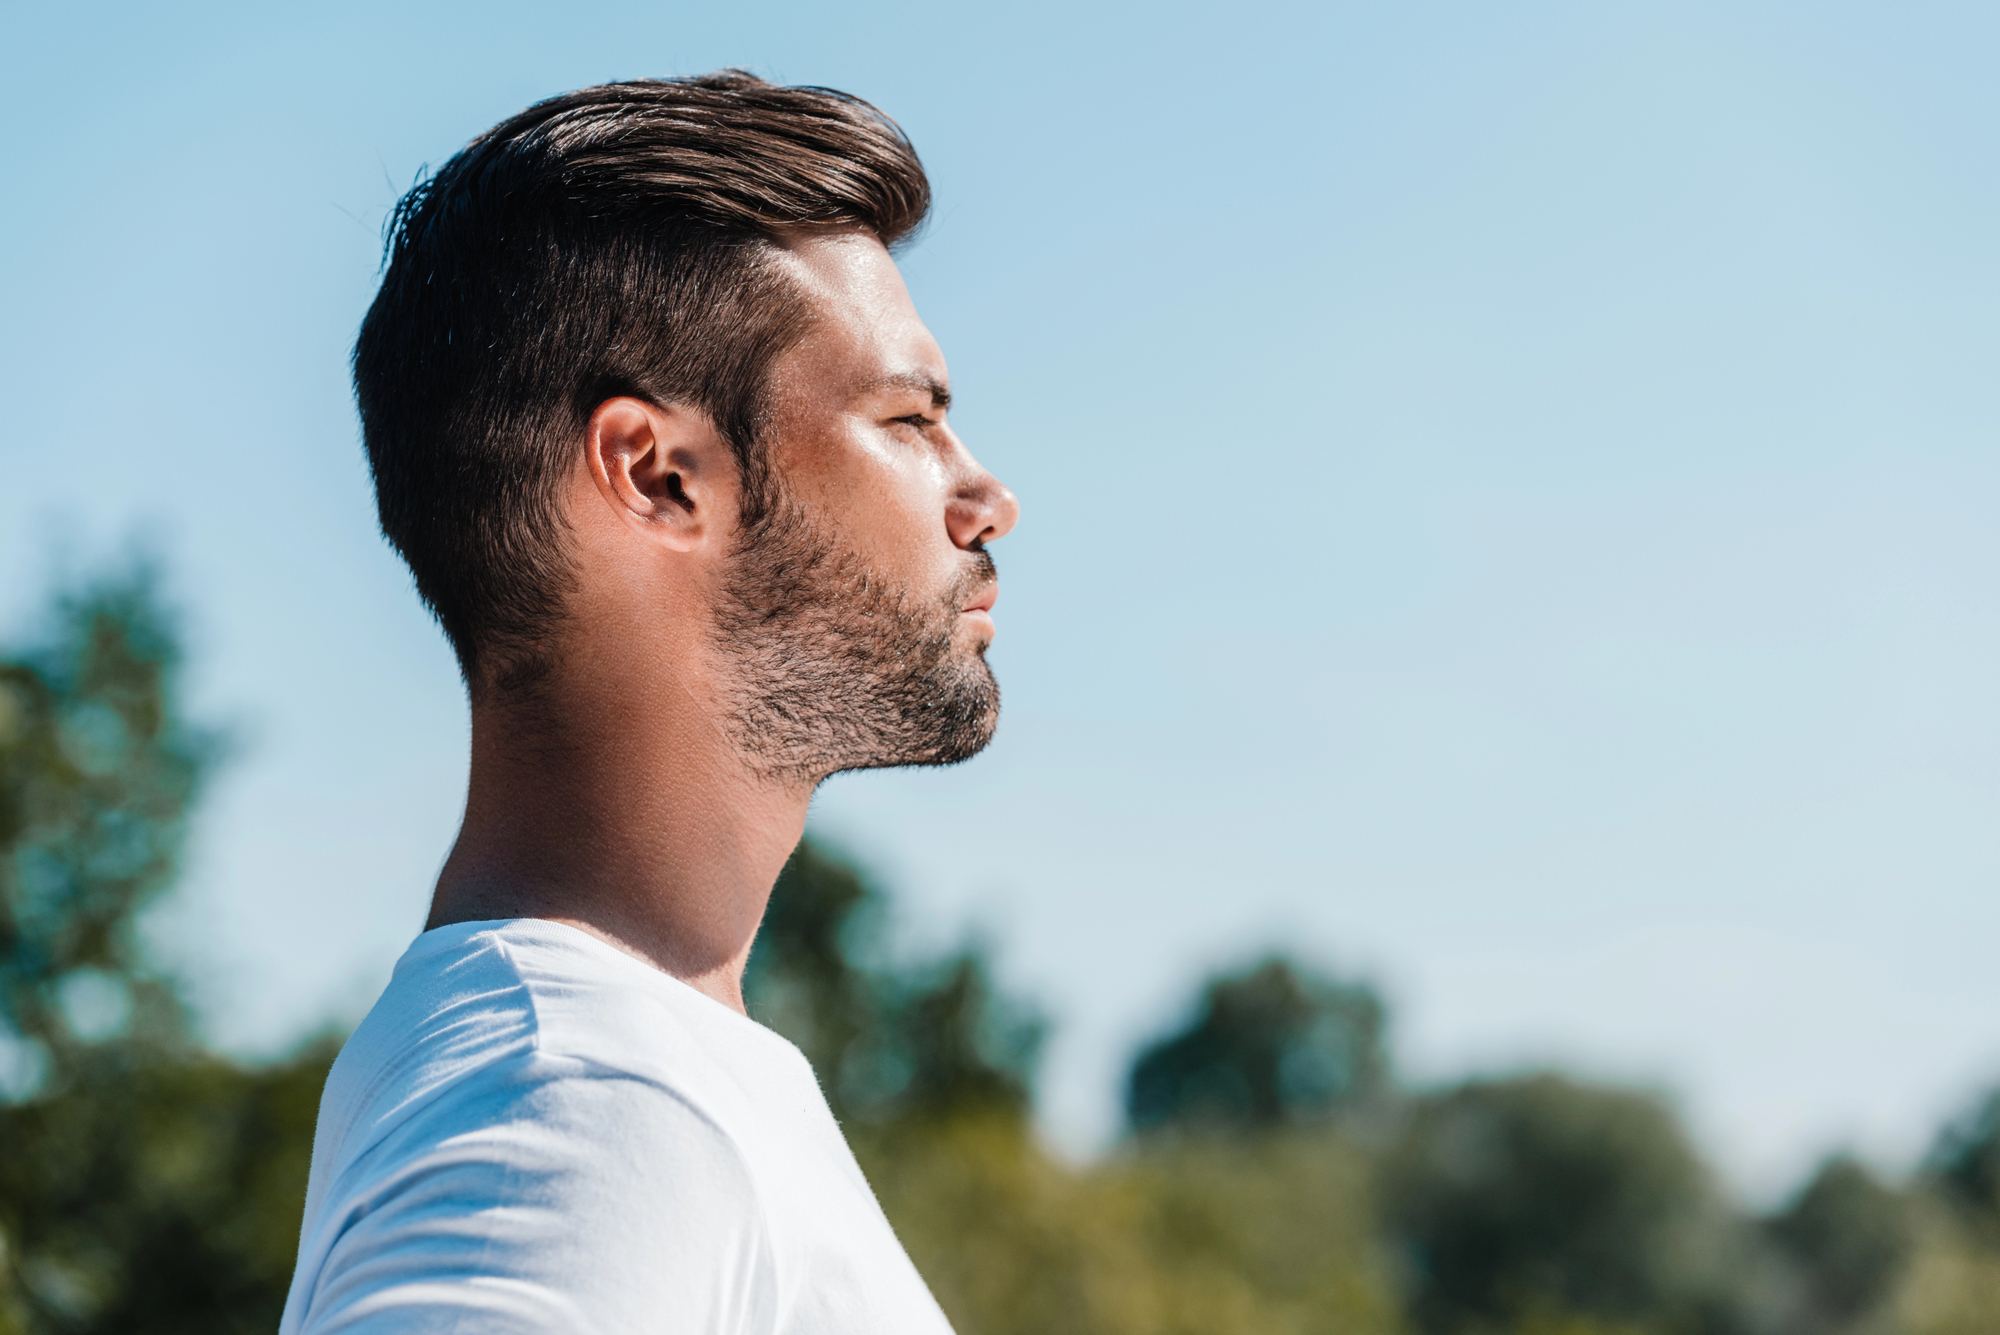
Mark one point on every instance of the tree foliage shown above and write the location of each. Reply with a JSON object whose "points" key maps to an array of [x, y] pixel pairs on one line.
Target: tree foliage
{"points": [[98, 775], [931, 1068], [1848, 1238], [157, 1194], [1965, 1162], [889, 1040], [1539, 1195], [1268, 1047], [144, 1185], [1253, 1236]]}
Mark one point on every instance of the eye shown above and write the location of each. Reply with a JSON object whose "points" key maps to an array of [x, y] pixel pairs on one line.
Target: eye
{"points": [[917, 420]]}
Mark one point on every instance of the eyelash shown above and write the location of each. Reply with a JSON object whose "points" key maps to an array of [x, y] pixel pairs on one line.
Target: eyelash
{"points": [[918, 420]]}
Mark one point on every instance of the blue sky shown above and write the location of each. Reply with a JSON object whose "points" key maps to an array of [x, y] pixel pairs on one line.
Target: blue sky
{"points": [[1509, 504]]}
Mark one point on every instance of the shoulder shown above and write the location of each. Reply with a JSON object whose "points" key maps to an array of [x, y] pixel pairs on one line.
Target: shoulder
{"points": [[586, 1201], [524, 1000], [479, 1014], [527, 1124]]}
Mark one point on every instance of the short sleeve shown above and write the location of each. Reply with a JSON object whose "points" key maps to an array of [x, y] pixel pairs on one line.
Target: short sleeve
{"points": [[573, 1200]]}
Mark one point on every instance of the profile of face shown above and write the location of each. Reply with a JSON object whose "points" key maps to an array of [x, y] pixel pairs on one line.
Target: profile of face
{"points": [[855, 613]]}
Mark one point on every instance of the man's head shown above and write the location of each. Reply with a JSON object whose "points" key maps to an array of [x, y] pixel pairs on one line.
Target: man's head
{"points": [[641, 364]]}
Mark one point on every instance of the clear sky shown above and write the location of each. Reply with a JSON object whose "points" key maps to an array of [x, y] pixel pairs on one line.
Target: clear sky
{"points": [[1509, 503]]}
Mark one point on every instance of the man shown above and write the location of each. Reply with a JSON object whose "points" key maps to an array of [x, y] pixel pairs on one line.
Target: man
{"points": [[663, 441]]}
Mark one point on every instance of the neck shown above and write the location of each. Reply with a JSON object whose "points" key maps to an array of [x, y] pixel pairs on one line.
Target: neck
{"points": [[640, 826]]}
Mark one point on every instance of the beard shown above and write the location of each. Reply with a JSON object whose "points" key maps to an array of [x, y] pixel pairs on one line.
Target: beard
{"points": [[836, 669]]}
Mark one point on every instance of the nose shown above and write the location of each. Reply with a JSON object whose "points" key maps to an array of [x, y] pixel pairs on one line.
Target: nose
{"points": [[981, 510]]}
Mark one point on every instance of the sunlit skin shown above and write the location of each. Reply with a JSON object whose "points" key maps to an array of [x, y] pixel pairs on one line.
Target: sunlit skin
{"points": [[619, 804]]}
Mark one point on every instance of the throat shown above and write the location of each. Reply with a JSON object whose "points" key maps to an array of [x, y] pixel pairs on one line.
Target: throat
{"points": [[666, 852]]}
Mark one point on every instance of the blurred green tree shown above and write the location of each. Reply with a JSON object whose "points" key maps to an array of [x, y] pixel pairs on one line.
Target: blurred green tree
{"points": [[1849, 1239], [158, 1193], [1263, 1235], [1965, 1161], [810, 975], [1252, 1235], [144, 1185], [98, 774], [891, 1041], [1541, 1199], [1270, 1046]]}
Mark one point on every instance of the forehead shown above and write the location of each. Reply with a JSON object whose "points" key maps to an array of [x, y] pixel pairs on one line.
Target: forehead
{"points": [[865, 328]]}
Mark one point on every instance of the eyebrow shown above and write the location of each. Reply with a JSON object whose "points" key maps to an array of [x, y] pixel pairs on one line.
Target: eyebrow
{"points": [[921, 381]]}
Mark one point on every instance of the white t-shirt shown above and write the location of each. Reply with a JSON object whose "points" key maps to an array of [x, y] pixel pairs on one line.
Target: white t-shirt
{"points": [[535, 1132]]}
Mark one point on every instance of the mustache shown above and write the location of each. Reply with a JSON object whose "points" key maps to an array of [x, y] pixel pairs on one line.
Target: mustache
{"points": [[978, 573]]}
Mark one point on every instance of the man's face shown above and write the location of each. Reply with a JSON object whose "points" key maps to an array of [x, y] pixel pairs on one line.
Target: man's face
{"points": [[856, 614]]}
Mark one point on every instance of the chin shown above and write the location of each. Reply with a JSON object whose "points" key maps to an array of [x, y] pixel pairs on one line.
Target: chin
{"points": [[948, 723], [963, 721]]}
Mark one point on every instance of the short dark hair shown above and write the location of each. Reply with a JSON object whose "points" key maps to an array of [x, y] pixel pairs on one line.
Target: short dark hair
{"points": [[615, 240]]}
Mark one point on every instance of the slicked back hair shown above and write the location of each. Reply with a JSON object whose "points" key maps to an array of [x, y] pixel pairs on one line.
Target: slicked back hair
{"points": [[616, 240]]}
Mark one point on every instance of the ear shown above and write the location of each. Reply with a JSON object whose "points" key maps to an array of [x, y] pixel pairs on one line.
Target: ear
{"points": [[665, 469]]}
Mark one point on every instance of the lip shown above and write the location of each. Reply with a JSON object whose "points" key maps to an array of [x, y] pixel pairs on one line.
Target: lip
{"points": [[984, 602]]}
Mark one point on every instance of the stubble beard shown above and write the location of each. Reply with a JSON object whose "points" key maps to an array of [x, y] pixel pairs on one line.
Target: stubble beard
{"points": [[834, 669]]}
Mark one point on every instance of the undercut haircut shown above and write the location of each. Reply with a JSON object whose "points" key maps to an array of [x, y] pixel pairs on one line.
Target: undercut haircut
{"points": [[613, 241]]}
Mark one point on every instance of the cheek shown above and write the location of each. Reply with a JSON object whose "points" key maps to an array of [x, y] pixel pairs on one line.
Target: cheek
{"points": [[886, 503], [907, 519]]}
